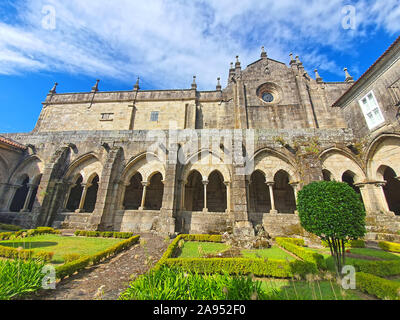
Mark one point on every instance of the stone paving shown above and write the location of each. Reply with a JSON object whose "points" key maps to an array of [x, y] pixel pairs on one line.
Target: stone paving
{"points": [[108, 280]]}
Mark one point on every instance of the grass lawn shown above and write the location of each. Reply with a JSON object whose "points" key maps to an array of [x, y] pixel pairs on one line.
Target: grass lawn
{"points": [[192, 249], [271, 253], [62, 245], [302, 290]]}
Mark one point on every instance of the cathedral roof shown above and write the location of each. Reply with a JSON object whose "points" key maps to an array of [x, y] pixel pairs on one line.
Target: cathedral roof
{"points": [[12, 143], [368, 73]]}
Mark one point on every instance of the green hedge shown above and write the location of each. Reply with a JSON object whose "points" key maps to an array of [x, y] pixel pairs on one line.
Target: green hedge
{"points": [[9, 227], [349, 244], [104, 234], [297, 242], [23, 233], [379, 287], [23, 254], [13, 253], [201, 237], [69, 269], [303, 253], [378, 268], [389, 246], [257, 267]]}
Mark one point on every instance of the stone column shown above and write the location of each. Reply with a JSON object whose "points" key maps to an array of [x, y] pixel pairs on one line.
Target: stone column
{"points": [[228, 196], [145, 185], [120, 205], [28, 197], [183, 186], [85, 186], [295, 186], [205, 183], [373, 197], [68, 194], [271, 195]]}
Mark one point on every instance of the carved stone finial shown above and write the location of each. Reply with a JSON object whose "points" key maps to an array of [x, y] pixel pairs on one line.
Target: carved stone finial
{"points": [[237, 65], [263, 53], [136, 86], [219, 87], [194, 84], [298, 60], [317, 76], [95, 88], [53, 90], [349, 78]]}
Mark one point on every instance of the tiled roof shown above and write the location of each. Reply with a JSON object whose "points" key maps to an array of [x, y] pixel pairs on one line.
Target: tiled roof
{"points": [[365, 74], [12, 143]]}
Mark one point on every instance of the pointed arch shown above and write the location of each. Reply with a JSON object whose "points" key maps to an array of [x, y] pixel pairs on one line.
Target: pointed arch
{"points": [[383, 151], [216, 192], [285, 200], [259, 196], [338, 161], [31, 166]]}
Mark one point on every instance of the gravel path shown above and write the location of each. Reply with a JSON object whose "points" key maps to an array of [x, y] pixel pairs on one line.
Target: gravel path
{"points": [[107, 280]]}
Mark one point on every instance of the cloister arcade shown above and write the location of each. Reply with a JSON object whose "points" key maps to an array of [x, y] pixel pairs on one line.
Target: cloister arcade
{"points": [[206, 185]]}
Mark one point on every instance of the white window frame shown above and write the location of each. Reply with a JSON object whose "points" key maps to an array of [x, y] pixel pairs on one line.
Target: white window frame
{"points": [[153, 113], [371, 110], [107, 117]]}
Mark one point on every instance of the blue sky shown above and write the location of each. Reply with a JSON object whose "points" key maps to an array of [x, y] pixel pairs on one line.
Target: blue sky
{"points": [[166, 42]]}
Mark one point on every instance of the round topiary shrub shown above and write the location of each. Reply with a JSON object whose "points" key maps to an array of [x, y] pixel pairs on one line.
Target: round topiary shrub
{"points": [[334, 212]]}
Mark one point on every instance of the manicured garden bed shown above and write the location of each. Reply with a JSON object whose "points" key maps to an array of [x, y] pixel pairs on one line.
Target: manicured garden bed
{"points": [[193, 249], [61, 245]]}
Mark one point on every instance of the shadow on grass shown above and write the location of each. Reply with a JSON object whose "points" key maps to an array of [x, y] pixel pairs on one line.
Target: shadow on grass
{"points": [[29, 245]]}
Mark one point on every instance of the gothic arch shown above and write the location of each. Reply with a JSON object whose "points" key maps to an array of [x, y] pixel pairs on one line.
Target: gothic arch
{"points": [[205, 163], [383, 151], [270, 161], [32, 166], [86, 165], [337, 162], [147, 164]]}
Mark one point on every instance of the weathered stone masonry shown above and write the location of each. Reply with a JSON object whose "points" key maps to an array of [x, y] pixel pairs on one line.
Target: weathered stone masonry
{"points": [[112, 160]]}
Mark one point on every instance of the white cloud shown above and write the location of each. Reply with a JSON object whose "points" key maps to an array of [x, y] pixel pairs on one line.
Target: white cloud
{"points": [[167, 42]]}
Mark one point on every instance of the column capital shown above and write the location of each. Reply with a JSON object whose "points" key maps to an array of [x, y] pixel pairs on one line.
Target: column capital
{"points": [[227, 183], [145, 183], [270, 183], [205, 182]]}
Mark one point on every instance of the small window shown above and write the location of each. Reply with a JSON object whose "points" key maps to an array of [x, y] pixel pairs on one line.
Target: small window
{"points": [[371, 110], [154, 116], [107, 117]]}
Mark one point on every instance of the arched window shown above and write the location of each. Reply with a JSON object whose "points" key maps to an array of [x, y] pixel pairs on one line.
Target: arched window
{"points": [[154, 193], [327, 175], [20, 196], [285, 201], [133, 193], [75, 195], [392, 190], [194, 192], [216, 193], [35, 186], [91, 195], [259, 198], [348, 177]]}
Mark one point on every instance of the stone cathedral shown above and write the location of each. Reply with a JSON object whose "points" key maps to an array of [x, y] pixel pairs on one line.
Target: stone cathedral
{"points": [[190, 161]]}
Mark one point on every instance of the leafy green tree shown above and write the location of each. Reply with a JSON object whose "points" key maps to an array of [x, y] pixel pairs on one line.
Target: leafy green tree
{"points": [[334, 212]]}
